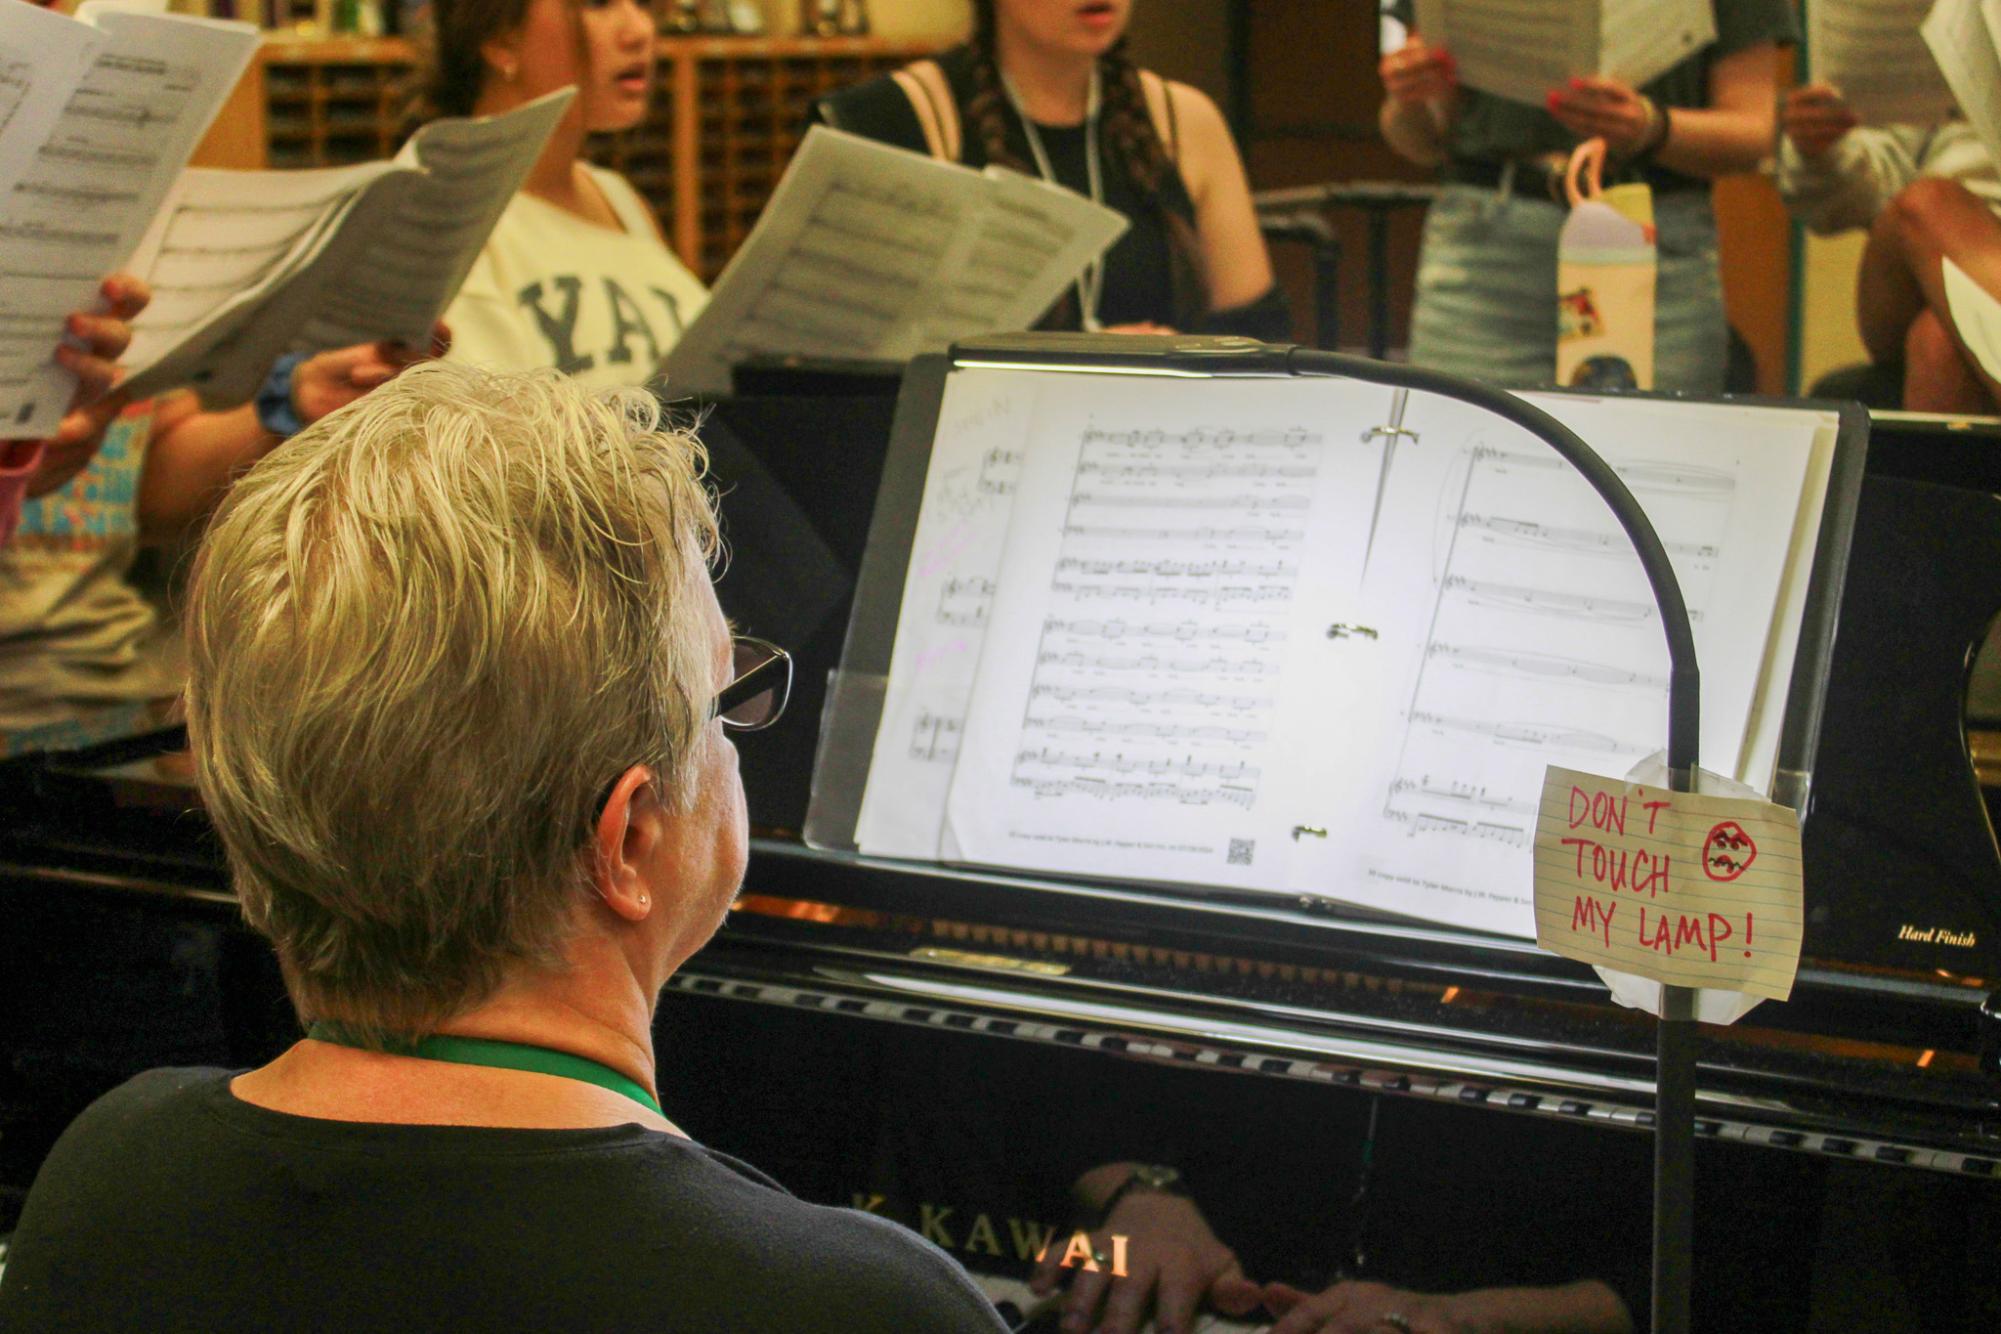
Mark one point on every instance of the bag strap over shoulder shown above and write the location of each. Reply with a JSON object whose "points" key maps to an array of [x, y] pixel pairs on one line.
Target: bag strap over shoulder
{"points": [[1160, 107], [923, 82]]}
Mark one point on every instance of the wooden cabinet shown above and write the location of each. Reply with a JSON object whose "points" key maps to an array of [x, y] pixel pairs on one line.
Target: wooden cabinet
{"points": [[727, 114]]}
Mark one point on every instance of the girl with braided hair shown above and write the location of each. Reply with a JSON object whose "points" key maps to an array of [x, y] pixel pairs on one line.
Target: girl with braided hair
{"points": [[1045, 87]]}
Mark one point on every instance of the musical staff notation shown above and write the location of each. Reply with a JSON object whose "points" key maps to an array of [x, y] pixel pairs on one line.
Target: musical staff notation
{"points": [[1522, 662]]}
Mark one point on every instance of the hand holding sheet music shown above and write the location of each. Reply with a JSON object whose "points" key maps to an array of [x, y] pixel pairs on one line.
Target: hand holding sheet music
{"points": [[1522, 49], [96, 122], [249, 265], [872, 251]]}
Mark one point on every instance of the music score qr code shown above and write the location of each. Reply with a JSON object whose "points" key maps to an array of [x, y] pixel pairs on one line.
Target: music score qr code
{"points": [[1241, 850]]}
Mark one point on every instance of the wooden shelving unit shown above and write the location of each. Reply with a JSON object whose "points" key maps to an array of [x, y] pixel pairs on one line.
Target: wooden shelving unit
{"points": [[727, 114]]}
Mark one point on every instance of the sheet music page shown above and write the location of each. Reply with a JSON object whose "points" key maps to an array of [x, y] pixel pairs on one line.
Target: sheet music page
{"points": [[410, 265], [220, 244], [1524, 633], [93, 184], [1517, 49], [955, 561], [1962, 44], [1640, 40], [1873, 52], [870, 251], [1159, 696]]}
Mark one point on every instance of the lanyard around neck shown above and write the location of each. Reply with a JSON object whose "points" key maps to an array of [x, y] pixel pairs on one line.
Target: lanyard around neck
{"points": [[505, 1056], [1090, 283]]}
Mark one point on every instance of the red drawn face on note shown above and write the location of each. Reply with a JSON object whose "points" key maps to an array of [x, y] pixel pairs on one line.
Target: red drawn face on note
{"points": [[1728, 852]]}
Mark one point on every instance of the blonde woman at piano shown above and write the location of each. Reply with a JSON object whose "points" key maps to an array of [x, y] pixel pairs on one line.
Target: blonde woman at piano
{"points": [[577, 274], [459, 698]]}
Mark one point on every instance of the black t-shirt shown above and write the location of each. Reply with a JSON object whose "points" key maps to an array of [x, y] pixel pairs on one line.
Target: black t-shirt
{"points": [[171, 1204]]}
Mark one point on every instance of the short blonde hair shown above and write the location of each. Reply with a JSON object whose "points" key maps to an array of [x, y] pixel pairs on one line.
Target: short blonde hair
{"points": [[425, 636]]}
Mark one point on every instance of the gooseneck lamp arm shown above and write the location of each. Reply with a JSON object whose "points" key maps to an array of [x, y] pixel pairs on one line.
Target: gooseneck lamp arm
{"points": [[1675, 1037]]}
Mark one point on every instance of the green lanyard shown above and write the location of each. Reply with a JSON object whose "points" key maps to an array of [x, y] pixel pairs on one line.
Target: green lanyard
{"points": [[505, 1056]]}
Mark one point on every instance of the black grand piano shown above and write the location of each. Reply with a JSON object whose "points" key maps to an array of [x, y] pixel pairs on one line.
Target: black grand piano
{"points": [[1435, 1108]]}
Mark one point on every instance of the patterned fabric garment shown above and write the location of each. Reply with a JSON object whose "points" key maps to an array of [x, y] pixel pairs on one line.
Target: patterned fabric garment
{"points": [[83, 655]]}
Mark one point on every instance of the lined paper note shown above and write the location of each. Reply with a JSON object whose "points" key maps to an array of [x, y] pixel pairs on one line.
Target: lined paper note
{"points": [[1690, 890]]}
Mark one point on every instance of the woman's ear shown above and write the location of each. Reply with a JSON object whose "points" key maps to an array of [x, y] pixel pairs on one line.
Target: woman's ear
{"points": [[628, 834], [502, 56]]}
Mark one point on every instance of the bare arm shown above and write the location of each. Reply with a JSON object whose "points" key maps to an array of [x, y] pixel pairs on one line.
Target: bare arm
{"points": [[1234, 257], [1732, 134], [194, 455]]}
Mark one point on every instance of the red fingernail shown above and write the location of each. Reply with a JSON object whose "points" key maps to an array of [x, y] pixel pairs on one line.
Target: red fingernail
{"points": [[1554, 99]]}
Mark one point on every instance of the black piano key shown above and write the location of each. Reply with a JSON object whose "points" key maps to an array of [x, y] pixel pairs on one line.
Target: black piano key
{"points": [[1073, 1036], [851, 1005], [1115, 1044], [1572, 1107], [1004, 1027], [1711, 1128], [1787, 1139], [1832, 1145], [1890, 1153], [1524, 1101], [960, 1021], [1233, 1061], [1473, 1095], [1400, 1084], [1275, 1065], [1980, 1167], [1645, 1120]]}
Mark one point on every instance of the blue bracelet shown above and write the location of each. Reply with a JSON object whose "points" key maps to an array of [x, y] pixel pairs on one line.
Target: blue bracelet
{"points": [[275, 412]]}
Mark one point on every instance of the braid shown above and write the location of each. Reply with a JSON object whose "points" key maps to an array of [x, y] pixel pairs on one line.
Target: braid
{"points": [[987, 109], [1127, 124]]}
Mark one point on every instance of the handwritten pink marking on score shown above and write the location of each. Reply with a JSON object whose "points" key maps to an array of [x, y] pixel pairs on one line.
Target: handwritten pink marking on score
{"points": [[937, 652], [945, 552]]}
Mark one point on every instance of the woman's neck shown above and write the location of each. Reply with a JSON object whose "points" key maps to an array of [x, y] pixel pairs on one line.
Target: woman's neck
{"points": [[554, 175], [1054, 86]]}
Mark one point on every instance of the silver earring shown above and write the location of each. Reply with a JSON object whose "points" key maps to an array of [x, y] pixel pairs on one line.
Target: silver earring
{"points": [[645, 900]]}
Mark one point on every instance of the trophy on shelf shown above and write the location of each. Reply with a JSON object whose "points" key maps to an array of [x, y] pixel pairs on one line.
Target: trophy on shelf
{"points": [[834, 18]]}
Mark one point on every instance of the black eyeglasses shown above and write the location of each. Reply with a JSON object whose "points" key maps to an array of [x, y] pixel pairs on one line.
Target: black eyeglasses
{"points": [[756, 698]]}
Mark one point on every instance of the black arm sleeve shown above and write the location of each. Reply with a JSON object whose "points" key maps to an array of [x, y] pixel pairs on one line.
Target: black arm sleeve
{"points": [[1269, 318], [878, 109]]}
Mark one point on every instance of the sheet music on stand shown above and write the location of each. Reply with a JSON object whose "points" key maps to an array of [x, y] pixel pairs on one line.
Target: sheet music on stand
{"points": [[871, 251], [1137, 639], [1521, 49], [1872, 51]]}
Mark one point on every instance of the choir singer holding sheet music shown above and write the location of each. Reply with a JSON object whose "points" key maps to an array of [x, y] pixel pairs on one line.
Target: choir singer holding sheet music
{"points": [[1836, 174], [1487, 271], [1045, 87], [577, 274]]}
